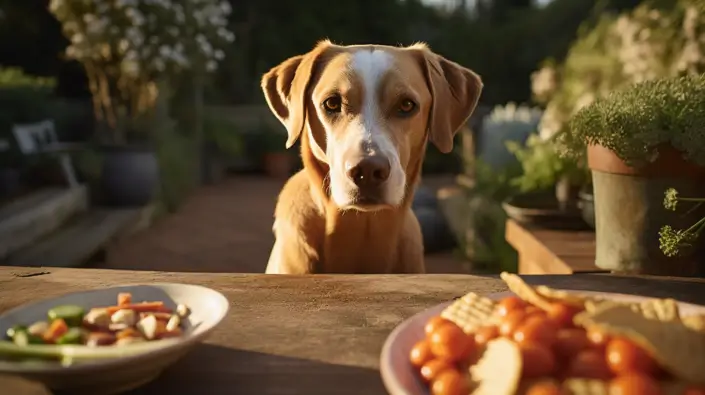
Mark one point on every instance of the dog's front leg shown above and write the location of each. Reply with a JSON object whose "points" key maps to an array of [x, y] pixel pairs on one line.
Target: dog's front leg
{"points": [[291, 253], [410, 255]]}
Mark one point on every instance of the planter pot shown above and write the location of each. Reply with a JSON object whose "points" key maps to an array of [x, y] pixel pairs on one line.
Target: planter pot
{"points": [[629, 212], [567, 195], [542, 210], [130, 175], [278, 164], [586, 204]]}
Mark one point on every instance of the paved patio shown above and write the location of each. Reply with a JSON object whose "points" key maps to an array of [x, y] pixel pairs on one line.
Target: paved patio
{"points": [[224, 228]]}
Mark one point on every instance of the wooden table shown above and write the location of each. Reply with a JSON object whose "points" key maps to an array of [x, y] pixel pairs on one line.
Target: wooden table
{"points": [[305, 334], [550, 251]]}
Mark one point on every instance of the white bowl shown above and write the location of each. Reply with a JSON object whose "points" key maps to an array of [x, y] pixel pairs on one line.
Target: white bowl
{"points": [[114, 375], [401, 378]]}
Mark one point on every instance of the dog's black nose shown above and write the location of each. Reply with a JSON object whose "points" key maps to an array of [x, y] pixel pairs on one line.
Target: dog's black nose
{"points": [[370, 171]]}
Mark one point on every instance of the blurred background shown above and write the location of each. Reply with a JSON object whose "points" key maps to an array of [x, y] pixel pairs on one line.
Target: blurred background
{"points": [[133, 133]]}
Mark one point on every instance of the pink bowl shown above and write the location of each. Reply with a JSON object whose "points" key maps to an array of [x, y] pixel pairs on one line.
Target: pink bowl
{"points": [[401, 378]]}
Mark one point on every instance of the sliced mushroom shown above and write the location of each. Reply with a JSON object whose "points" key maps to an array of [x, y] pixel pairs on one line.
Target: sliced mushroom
{"points": [[173, 324], [182, 310], [124, 316], [97, 317], [148, 327]]}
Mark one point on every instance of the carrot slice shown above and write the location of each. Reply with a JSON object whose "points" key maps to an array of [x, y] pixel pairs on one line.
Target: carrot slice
{"points": [[56, 329], [124, 298], [143, 307], [129, 332]]}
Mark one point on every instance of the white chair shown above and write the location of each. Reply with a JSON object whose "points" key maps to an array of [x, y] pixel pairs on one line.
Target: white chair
{"points": [[41, 138]]}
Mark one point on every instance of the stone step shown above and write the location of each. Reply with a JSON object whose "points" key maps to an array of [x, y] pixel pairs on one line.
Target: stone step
{"points": [[30, 218], [81, 238]]}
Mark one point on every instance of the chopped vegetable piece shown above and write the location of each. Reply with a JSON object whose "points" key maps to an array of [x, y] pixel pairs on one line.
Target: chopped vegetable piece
{"points": [[72, 315], [129, 340], [143, 307], [38, 328], [22, 338], [72, 336], [97, 317], [57, 328], [124, 298], [129, 332], [148, 327], [100, 339], [10, 333], [173, 323], [124, 316], [182, 310]]}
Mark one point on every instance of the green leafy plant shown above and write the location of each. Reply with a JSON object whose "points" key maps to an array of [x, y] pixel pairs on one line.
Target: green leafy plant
{"points": [[636, 122], [674, 242], [543, 165], [224, 134]]}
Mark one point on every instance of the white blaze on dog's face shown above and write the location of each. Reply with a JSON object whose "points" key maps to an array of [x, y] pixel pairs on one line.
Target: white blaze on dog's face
{"points": [[373, 107], [368, 111]]}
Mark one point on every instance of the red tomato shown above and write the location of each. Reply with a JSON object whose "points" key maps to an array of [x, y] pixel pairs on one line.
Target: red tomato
{"points": [[562, 314], [509, 304], [544, 387], [485, 334], [536, 329], [623, 356], [537, 360], [569, 342], [511, 322], [634, 384], [421, 353], [589, 364], [450, 382], [434, 323], [431, 369], [451, 343]]}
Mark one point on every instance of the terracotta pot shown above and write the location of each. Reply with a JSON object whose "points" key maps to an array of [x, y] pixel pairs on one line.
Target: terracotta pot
{"points": [[278, 164], [629, 212]]}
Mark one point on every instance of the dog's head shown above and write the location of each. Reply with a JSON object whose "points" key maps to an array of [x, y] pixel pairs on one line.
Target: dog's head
{"points": [[368, 111]]}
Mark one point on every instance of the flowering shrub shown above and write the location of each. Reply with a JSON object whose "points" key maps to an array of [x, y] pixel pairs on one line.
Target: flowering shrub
{"points": [[655, 40], [127, 45]]}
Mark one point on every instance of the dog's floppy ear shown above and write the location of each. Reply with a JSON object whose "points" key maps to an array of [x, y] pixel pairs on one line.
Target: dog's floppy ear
{"points": [[455, 90], [285, 88]]}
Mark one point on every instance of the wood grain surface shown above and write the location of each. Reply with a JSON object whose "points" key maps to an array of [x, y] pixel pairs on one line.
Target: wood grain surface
{"points": [[305, 335]]}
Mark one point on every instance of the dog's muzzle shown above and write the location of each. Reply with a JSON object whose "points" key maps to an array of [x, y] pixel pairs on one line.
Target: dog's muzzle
{"points": [[369, 174]]}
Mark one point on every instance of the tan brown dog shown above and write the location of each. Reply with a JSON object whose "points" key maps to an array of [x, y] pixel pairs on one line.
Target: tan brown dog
{"points": [[364, 114]]}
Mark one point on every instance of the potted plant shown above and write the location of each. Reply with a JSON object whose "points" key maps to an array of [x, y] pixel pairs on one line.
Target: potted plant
{"points": [[641, 141], [132, 53], [278, 162]]}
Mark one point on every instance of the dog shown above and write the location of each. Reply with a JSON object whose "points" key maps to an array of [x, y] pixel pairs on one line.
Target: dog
{"points": [[364, 114]]}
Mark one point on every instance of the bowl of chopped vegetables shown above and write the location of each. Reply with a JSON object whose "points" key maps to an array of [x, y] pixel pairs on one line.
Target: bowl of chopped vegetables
{"points": [[130, 333]]}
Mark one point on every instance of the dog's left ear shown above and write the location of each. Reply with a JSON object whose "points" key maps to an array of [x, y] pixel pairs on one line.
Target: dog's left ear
{"points": [[285, 88], [455, 91]]}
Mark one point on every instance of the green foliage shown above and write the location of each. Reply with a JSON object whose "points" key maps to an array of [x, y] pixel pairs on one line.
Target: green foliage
{"points": [[634, 122], [543, 165], [23, 99], [177, 165], [678, 242], [224, 134]]}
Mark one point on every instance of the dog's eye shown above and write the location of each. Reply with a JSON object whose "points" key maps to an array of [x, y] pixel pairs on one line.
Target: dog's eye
{"points": [[406, 107], [332, 104]]}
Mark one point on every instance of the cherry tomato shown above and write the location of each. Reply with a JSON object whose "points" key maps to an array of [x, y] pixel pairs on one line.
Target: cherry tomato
{"points": [[485, 334], [434, 323], [421, 353], [431, 369], [544, 387], [537, 360], [694, 391], [589, 364], [562, 314], [536, 329], [509, 304], [623, 356], [569, 342], [634, 384], [450, 382], [598, 339], [450, 342], [511, 322]]}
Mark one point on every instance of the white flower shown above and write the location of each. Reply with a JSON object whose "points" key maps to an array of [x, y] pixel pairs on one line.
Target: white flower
{"points": [[211, 66]]}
